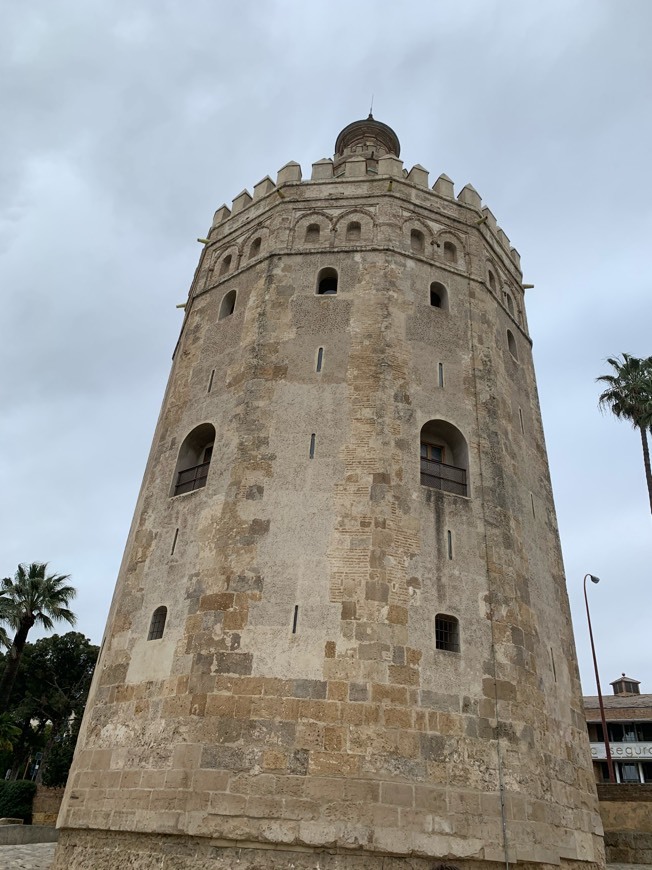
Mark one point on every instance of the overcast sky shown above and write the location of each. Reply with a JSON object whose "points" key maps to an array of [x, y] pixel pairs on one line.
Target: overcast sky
{"points": [[125, 125]]}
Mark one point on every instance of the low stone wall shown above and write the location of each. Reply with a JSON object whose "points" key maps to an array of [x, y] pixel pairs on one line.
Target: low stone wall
{"points": [[22, 835], [626, 812], [45, 808]]}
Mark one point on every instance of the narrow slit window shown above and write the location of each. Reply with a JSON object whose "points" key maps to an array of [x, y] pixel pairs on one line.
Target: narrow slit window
{"points": [[552, 662], [312, 446], [520, 419], [174, 542], [511, 344], [449, 543], [320, 358], [157, 625], [295, 619], [440, 374], [447, 633], [210, 381], [532, 502]]}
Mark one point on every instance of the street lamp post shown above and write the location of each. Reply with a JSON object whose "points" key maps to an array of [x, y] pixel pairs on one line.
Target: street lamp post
{"points": [[610, 764]]}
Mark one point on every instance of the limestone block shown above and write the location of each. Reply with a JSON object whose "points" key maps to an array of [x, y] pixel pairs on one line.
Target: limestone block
{"points": [[289, 173], [322, 169], [265, 186], [390, 165], [490, 219], [418, 175], [503, 238], [356, 167], [516, 257], [469, 195], [241, 201], [221, 215], [444, 186]]}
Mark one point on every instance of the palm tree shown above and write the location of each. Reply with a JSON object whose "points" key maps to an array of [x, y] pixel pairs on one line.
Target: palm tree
{"points": [[629, 397], [32, 597]]}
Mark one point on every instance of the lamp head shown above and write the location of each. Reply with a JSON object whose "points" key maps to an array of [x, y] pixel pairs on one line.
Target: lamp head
{"points": [[594, 579]]}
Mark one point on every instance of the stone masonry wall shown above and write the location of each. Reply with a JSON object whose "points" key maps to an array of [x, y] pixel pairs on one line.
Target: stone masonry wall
{"points": [[352, 733]]}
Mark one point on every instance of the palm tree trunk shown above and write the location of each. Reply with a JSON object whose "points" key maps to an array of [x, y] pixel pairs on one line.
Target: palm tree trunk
{"points": [[646, 460], [13, 662]]}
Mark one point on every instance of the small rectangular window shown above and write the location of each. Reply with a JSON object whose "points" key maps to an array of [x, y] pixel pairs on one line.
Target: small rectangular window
{"points": [[295, 619], [440, 373], [312, 446], [320, 358], [447, 633], [449, 543], [210, 381], [174, 542]]}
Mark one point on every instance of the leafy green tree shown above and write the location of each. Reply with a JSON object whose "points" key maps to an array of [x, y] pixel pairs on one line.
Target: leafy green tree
{"points": [[629, 397], [48, 702], [32, 597]]}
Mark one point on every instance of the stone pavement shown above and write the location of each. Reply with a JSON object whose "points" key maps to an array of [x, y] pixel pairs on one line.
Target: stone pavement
{"points": [[36, 856]]}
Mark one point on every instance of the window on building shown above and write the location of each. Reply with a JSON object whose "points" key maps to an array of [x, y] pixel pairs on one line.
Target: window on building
{"points": [[511, 344], [353, 231], [312, 233], [447, 632], [417, 241], [194, 459], [225, 265], [438, 295], [450, 252], [157, 625], [254, 248], [629, 772], [443, 457], [320, 359], [492, 279], [327, 282], [509, 302], [227, 306]]}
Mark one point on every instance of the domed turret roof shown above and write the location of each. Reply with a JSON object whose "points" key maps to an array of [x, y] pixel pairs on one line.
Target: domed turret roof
{"points": [[367, 135]]}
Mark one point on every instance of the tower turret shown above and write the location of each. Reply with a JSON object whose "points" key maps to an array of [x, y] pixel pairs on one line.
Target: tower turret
{"points": [[340, 636]]}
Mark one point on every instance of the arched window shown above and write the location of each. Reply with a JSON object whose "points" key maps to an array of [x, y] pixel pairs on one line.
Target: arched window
{"points": [[194, 459], [327, 282], [417, 241], [312, 233], [447, 632], [444, 457], [225, 265], [438, 296], [509, 302], [254, 248], [450, 252], [227, 306], [157, 625], [353, 231], [492, 279], [511, 344]]}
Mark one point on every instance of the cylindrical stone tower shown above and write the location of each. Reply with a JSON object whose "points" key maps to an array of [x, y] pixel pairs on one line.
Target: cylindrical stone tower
{"points": [[340, 636]]}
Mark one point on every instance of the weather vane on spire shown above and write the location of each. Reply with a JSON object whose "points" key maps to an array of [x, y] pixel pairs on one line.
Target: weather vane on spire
{"points": [[371, 107]]}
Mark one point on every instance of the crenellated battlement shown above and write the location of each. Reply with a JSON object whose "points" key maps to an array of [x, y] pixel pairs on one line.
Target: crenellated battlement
{"points": [[388, 169]]}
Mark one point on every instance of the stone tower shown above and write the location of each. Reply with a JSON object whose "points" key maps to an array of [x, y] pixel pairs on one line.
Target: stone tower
{"points": [[340, 636]]}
